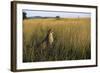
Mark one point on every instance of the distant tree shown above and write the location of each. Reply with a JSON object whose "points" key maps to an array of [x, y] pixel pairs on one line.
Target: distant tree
{"points": [[57, 17], [24, 15]]}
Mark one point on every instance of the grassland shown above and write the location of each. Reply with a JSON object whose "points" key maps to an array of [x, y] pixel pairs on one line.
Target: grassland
{"points": [[72, 40]]}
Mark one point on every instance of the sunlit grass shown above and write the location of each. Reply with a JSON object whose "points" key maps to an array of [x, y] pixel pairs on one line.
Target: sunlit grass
{"points": [[72, 39]]}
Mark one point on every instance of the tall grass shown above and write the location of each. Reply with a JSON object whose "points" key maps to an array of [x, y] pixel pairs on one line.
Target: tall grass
{"points": [[72, 39]]}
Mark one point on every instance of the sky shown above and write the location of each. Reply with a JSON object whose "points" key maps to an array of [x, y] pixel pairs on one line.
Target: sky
{"points": [[64, 14]]}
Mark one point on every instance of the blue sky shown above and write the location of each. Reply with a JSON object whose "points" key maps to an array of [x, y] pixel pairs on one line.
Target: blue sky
{"points": [[32, 13]]}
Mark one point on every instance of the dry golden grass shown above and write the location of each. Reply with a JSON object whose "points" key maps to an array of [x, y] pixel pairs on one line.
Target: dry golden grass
{"points": [[71, 39]]}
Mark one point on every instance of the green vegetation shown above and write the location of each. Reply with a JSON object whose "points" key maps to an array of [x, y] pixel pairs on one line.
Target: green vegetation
{"points": [[72, 39]]}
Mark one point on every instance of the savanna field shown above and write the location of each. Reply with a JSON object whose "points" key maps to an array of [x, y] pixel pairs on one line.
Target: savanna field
{"points": [[72, 39]]}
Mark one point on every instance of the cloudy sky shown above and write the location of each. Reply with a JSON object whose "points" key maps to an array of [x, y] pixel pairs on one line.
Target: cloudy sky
{"points": [[64, 14]]}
